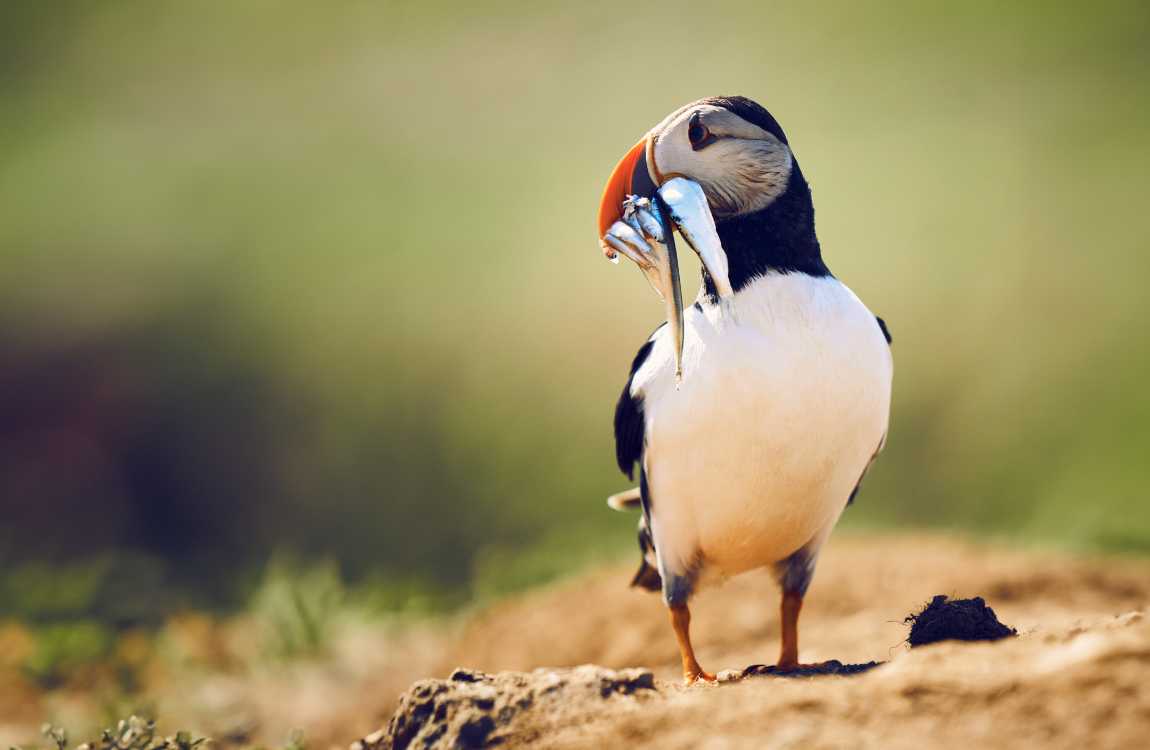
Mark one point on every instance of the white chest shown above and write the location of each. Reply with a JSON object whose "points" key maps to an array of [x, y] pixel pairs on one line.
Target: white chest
{"points": [[775, 421]]}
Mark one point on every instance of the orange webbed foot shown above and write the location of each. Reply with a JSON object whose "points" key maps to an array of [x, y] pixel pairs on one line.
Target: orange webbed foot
{"points": [[700, 676]]}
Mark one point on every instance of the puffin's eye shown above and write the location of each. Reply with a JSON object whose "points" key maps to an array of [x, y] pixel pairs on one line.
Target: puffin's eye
{"points": [[698, 133]]}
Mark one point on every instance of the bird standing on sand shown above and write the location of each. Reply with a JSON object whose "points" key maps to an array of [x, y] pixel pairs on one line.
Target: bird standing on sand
{"points": [[755, 413]]}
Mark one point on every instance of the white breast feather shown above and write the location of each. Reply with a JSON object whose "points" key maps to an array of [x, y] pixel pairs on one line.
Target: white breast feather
{"points": [[776, 419]]}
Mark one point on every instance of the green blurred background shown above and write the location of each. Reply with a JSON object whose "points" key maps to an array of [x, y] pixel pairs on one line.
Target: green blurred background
{"points": [[323, 278]]}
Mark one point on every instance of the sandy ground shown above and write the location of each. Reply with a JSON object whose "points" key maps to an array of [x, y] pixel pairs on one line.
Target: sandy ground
{"points": [[1078, 676]]}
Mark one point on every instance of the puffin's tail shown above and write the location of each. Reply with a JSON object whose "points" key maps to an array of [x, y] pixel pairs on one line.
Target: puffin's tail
{"points": [[629, 500], [648, 576]]}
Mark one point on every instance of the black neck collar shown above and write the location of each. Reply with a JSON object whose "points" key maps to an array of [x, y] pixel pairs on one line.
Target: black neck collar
{"points": [[780, 237]]}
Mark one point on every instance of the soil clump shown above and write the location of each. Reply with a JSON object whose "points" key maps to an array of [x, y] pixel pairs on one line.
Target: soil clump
{"points": [[947, 619]]}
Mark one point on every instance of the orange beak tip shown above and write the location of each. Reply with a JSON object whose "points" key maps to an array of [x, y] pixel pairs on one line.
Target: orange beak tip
{"points": [[618, 187]]}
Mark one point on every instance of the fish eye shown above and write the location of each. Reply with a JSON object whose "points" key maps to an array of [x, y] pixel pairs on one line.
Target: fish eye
{"points": [[698, 133]]}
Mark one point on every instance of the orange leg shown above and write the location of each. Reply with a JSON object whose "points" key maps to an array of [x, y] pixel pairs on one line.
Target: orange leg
{"points": [[681, 622], [789, 653]]}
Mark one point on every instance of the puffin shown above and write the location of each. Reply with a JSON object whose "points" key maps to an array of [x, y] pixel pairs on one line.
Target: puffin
{"points": [[753, 414]]}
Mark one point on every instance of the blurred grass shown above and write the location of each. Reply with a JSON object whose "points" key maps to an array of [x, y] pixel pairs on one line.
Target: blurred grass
{"points": [[324, 275]]}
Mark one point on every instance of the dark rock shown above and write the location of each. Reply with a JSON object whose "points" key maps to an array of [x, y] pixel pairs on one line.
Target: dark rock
{"points": [[473, 733], [955, 620], [472, 709]]}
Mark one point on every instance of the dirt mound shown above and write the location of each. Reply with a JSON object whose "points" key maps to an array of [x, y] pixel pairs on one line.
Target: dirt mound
{"points": [[473, 710], [1084, 687], [956, 620]]}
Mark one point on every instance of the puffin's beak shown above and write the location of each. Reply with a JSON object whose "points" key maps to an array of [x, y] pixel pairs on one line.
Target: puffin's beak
{"points": [[632, 176], [624, 183]]}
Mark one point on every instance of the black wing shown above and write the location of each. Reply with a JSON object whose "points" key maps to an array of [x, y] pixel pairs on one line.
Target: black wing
{"points": [[629, 417], [885, 332]]}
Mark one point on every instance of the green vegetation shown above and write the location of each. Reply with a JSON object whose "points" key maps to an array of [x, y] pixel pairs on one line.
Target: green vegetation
{"points": [[76, 635], [130, 734], [75, 613], [324, 276], [133, 733]]}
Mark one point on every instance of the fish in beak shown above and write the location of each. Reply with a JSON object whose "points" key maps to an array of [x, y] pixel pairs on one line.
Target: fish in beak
{"points": [[638, 215]]}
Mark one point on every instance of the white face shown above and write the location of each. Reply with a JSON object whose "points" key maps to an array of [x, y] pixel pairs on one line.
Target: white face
{"points": [[741, 167]]}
